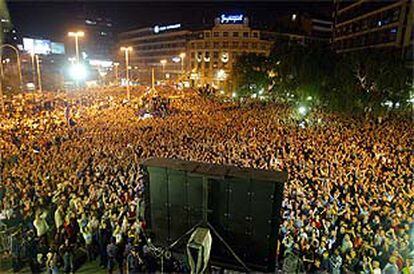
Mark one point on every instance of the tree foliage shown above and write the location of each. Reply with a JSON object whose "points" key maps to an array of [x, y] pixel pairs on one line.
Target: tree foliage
{"points": [[340, 81]]}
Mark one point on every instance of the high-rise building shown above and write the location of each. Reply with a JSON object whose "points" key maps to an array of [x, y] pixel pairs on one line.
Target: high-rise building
{"points": [[373, 24], [99, 39]]}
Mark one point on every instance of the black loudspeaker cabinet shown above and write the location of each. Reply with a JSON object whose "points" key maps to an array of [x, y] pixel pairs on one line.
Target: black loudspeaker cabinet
{"points": [[243, 206]]}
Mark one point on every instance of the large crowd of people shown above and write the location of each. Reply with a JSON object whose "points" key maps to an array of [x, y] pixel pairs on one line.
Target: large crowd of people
{"points": [[71, 181]]}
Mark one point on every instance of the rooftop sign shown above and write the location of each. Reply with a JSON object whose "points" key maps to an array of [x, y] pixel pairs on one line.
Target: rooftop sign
{"points": [[158, 29], [231, 19]]}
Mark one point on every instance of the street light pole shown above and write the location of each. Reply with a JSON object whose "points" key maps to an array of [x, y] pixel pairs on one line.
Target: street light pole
{"points": [[19, 66], [76, 35], [127, 50], [39, 75], [182, 56], [116, 72], [163, 62], [32, 55]]}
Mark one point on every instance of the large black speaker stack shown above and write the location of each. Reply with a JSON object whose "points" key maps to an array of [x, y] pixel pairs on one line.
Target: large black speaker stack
{"points": [[242, 205]]}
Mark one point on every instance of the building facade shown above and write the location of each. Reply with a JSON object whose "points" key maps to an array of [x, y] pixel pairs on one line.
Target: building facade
{"points": [[213, 52], [160, 47], [200, 56], [367, 24]]}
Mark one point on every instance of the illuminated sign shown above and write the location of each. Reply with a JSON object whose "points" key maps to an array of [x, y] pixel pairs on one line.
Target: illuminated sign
{"points": [[36, 46], [231, 19], [158, 29], [100, 63], [57, 48]]}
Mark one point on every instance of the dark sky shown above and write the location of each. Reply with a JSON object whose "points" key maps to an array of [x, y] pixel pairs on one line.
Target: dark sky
{"points": [[53, 19]]}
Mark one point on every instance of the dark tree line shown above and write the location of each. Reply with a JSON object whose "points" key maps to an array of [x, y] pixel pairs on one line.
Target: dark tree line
{"points": [[348, 82]]}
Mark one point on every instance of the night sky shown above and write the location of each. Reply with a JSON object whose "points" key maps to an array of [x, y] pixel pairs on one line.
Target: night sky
{"points": [[53, 19]]}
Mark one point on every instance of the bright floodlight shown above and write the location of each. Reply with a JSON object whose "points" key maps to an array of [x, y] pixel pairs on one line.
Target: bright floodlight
{"points": [[163, 62], [78, 72], [126, 48], [302, 110], [78, 34], [182, 55]]}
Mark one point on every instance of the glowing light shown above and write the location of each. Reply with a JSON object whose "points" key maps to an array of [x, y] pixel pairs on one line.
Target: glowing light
{"points": [[126, 48], [100, 63], [293, 17], [221, 75], [76, 34], [233, 19], [163, 62], [78, 72], [302, 110], [158, 29], [309, 98], [261, 91], [176, 59], [234, 95], [224, 57]]}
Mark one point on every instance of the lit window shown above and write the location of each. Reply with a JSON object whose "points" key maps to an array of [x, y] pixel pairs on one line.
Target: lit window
{"points": [[90, 22]]}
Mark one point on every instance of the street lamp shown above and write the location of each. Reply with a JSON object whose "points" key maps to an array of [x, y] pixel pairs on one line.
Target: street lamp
{"points": [[163, 62], [182, 56], [76, 35], [127, 50], [116, 64], [39, 75]]}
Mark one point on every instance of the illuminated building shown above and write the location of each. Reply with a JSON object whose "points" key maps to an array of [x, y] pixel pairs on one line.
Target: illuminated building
{"points": [[209, 52], [213, 52], [99, 39], [153, 44], [367, 24]]}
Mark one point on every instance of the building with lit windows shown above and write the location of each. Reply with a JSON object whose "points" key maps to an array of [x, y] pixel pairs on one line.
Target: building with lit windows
{"points": [[200, 56], [213, 52], [99, 40], [158, 46], [373, 24]]}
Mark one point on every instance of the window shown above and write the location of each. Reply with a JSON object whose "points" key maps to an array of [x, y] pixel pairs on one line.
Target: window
{"points": [[207, 65], [193, 55], [216, 44], [207, 44], [255, 34], [245, 45], [254, 45], [192, 45], [225, 34], [207, 34], [225, 44], [235, 34], [216, 34], [215, 54], [235, 44], [245, 34]]}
